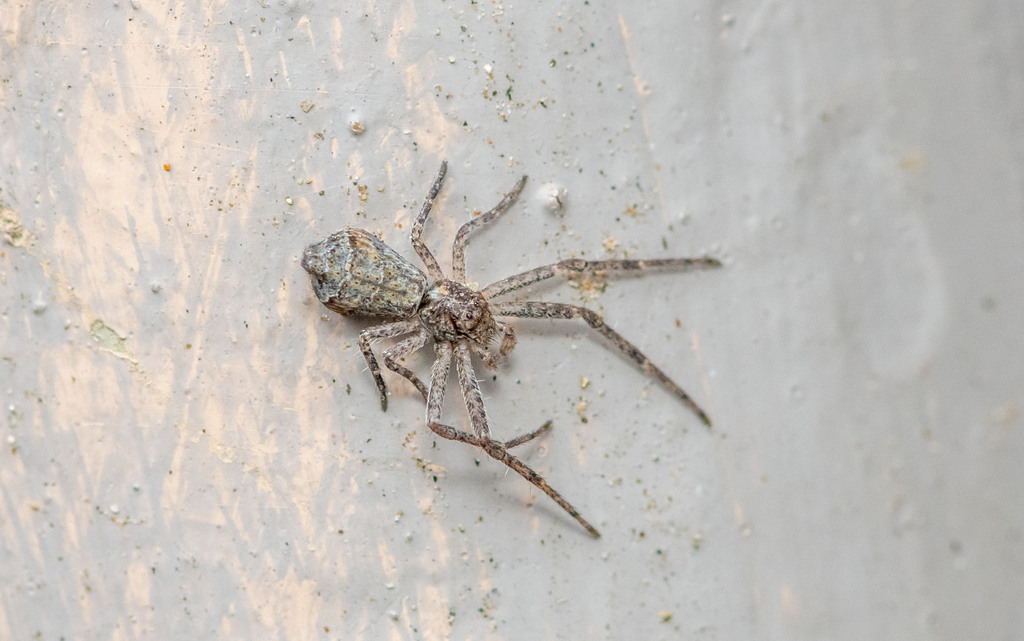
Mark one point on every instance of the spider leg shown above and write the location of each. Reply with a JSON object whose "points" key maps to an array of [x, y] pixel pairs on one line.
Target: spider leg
{"points": [[459, 246], [477, 414], [396, 352], [433, 269], [491, 361], [582, 266], [435, 396], [529, 436], [370, 334], [533, 309], [496, 449], [498, 452]]}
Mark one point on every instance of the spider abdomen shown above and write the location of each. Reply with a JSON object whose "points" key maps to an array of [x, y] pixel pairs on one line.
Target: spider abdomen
{"points": [[354, 272]]}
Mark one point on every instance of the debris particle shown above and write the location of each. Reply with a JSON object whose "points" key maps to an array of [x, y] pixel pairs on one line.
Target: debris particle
{"points": [[110, 341], [552, 197], [10, 226]]}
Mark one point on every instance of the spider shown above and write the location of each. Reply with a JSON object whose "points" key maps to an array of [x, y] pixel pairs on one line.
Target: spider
{"points": [[354, 272]]}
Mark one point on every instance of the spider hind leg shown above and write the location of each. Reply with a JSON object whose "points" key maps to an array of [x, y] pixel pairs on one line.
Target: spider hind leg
{"points": [[366, 338]]}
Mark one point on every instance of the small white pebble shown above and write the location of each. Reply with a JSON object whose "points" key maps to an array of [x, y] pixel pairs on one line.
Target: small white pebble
{"points": [[552, 197]]}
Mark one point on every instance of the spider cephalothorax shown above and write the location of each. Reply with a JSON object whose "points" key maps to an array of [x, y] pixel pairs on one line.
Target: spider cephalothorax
{"points": [[354, 272], [451, 311]]}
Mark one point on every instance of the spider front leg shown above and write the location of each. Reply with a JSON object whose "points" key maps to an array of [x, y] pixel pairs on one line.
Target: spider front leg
{"points": [[433, 269], [532, 309], [459, 246], [367, 336]]}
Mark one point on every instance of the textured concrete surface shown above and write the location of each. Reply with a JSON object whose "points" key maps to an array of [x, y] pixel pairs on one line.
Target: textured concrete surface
{"points": [[192, 445]]}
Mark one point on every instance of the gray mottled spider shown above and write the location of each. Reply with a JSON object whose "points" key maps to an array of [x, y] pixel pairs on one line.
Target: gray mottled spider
{"points": [[354, 272]]}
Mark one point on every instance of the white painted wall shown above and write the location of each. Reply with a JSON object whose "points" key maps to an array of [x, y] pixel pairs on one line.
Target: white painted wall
{"points": [[194, 450]]}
